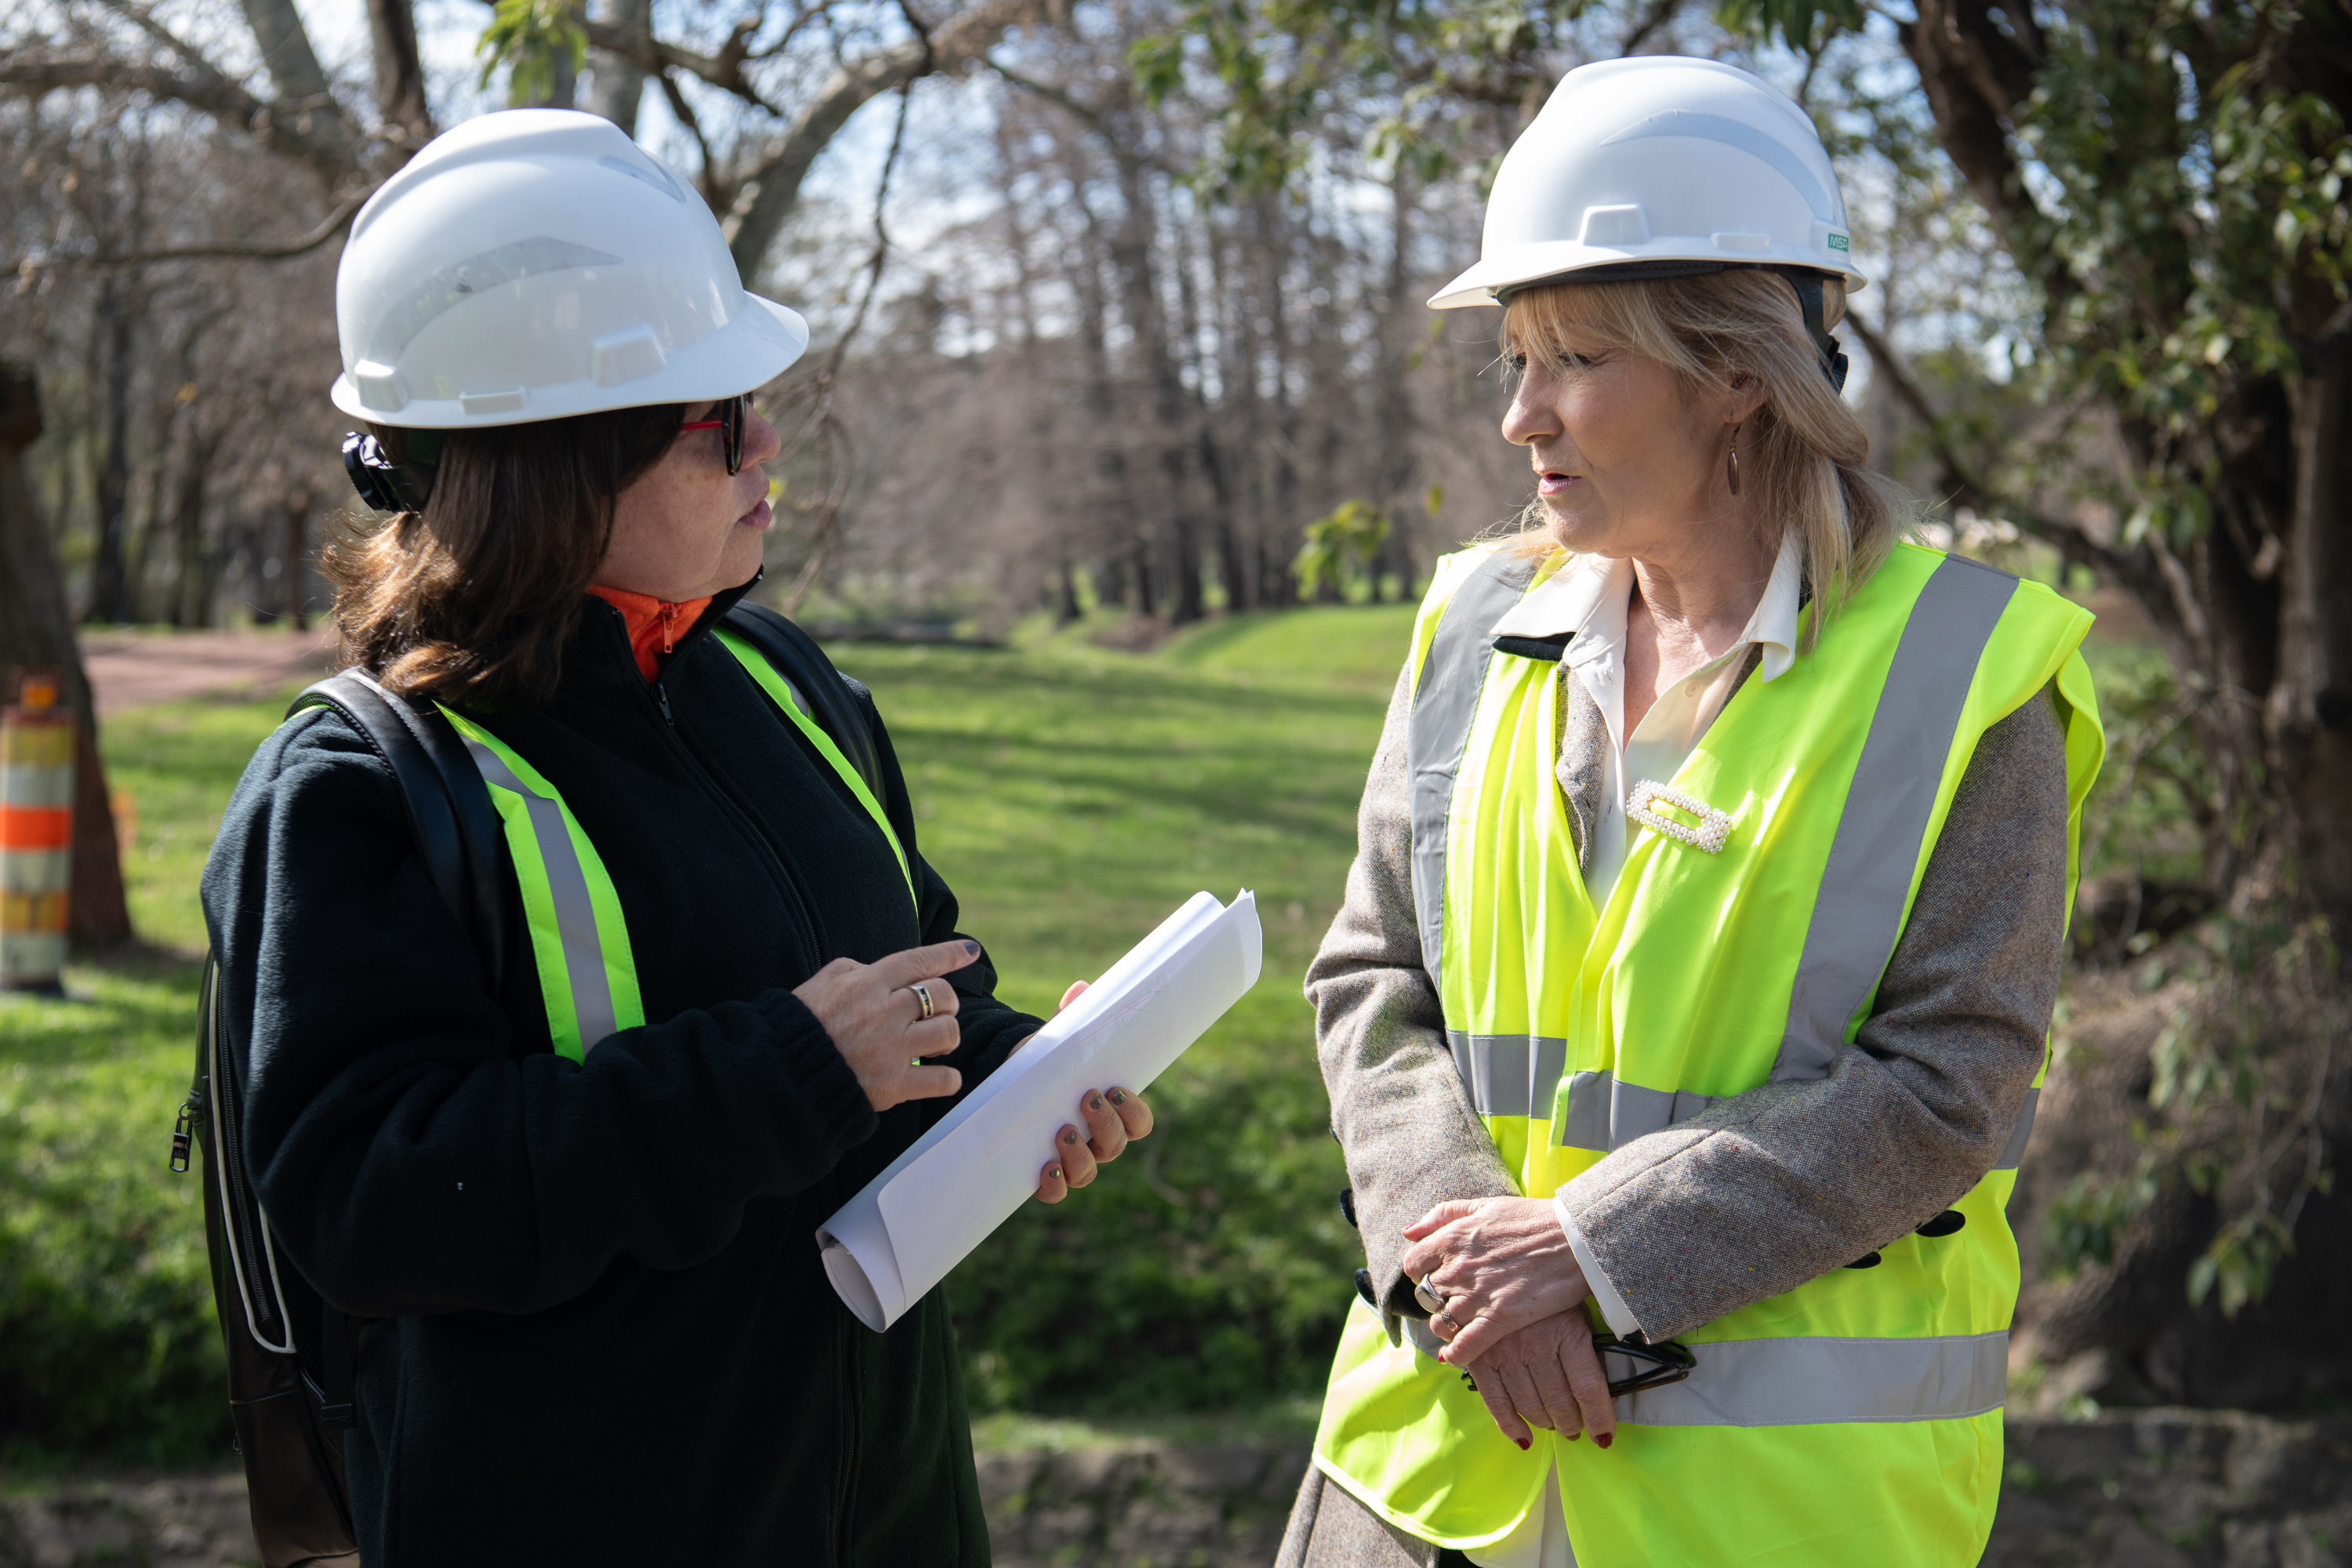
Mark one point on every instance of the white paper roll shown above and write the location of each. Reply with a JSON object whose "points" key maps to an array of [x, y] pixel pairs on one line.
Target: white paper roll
{"points": [[920, 1217]]}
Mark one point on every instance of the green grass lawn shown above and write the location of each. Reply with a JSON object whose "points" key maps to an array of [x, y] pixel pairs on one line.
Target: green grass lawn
{"points": [[1073, 797]]}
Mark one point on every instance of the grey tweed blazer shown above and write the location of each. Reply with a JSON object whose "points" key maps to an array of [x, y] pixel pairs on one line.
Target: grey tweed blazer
{"points": [[1772, 1187]]}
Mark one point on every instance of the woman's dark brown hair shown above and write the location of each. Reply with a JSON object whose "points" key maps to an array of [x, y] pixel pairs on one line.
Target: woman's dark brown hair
{"points": [[470, 601]]}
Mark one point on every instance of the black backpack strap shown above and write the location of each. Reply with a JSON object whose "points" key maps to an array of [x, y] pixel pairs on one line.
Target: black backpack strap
{"points": [[831, 695], [457, 832]]}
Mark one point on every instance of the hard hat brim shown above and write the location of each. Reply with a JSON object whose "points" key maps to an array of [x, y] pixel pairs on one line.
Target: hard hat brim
{"points": [[760, 343], [1558, 261]]}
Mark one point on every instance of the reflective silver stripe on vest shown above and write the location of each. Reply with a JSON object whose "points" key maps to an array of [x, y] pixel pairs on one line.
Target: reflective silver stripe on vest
{"points": [[1606, 1115], [1887, 807], [2014, 1154], [1805, 1381], [1509, 1075], [575, 914], [1445, 699]]}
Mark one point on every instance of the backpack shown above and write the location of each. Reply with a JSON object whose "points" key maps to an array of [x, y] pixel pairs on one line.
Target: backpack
{"points": [[288, 1349]]}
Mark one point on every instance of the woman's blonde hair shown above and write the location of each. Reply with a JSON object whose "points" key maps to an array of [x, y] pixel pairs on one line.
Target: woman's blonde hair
{"points": [[1801, 453]]}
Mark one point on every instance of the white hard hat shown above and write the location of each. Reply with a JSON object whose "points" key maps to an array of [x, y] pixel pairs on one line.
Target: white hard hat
{"points": [[1635, 165], [536, 263]]}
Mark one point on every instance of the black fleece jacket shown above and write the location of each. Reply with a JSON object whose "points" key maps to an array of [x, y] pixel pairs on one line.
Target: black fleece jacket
{"points": [[601, 1331]]}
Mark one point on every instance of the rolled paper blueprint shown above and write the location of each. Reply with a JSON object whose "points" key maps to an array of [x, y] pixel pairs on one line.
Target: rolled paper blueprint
{"points": [[923, 1216]]}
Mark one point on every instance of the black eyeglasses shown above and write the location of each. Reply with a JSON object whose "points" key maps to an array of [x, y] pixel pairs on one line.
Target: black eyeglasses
{"points": [[733, 416]]}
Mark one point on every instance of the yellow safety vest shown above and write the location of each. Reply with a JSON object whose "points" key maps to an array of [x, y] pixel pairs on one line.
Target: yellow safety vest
{"points": [[1856, 1419], [579, 937]]}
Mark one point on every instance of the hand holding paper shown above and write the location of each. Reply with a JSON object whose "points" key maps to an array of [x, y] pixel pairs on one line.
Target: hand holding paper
{"points": [[1109, 1119], [898, 1237]]}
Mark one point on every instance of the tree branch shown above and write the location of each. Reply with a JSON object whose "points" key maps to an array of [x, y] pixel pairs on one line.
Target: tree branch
{"points": [[1974, 77], [1960, 478], [723, 71], [333, 224], [963, 37], [1658, 16], [289, 131]]}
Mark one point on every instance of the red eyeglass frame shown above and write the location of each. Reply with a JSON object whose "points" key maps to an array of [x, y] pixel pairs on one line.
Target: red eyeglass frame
{"points": [[734, 414]]}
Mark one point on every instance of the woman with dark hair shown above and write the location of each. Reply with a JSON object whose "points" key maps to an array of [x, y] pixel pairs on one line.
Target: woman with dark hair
{"points": [[576, 1214]]}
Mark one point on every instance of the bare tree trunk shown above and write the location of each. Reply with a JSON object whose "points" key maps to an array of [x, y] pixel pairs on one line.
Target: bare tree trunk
{"points": [[189, 580], [109, 594], [399, 71], [294, 574], [619, 93], [36, 628], [1391, 407], [2309, 715]]}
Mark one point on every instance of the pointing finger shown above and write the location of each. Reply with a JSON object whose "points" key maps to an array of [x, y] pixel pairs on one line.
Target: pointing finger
{"points": [[903, 968]]}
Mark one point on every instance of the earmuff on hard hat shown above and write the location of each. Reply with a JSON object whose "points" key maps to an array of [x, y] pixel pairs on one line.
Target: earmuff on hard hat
{"points": [[1660, 166], [388, 486]]}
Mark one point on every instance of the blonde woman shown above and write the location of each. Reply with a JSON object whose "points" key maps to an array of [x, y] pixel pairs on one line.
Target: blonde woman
{"points": [[1684, 1017]]}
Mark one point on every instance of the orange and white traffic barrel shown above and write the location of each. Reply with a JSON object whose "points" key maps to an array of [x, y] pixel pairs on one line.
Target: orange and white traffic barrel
{"points": [[36, 780]]}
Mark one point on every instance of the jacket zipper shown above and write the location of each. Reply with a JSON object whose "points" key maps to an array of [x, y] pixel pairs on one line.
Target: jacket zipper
{"points": [[794, 899]]}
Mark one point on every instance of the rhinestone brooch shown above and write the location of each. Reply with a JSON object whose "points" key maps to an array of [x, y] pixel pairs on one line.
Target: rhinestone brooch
{"points": [[1711, 832]]}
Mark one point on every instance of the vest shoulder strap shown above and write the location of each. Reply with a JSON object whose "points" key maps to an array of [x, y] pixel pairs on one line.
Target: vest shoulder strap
{"points": [[458, 835], [832, 698]]}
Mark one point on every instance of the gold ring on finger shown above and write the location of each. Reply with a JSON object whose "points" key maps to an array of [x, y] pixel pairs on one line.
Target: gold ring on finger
{"points": [[1452, 1321], [923, 994]]}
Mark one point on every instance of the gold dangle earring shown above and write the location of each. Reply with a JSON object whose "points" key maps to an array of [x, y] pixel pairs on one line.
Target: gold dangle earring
{"points": [[1735, 459]]}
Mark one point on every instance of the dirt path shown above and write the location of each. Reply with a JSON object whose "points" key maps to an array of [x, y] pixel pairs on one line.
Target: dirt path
{"points": [[129, 669]]}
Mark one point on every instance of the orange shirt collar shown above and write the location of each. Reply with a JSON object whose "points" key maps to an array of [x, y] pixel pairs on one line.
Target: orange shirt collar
{"points": [[655, 624]]}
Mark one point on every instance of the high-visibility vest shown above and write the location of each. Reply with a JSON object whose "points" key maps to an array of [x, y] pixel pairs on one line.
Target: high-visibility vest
{"points": [[1854, 1420], [579, 933]]}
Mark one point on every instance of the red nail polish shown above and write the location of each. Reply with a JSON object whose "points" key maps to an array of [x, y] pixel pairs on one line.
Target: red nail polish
{"points": [[1605, 1439], [1523, 1443]]}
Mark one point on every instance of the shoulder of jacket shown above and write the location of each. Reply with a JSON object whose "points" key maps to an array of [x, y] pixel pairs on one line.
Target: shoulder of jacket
{"points": [[313, 749]]}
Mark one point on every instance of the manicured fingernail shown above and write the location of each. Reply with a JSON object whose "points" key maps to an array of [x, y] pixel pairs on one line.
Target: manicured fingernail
{"points": [[1054, 1175], [1604, 1439], [971, 949], [1119, 1097], [1572, 1436], [1068, 1136], [1524, 1443], [1094, 1102]]}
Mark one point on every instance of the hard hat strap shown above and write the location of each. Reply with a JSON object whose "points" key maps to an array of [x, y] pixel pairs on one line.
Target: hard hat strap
{"points": [[1807, 285]]}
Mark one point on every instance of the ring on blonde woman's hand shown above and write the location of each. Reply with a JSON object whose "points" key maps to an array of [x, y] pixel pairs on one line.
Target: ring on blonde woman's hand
{"points": [[1451, 1321], [923, 994]]}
